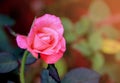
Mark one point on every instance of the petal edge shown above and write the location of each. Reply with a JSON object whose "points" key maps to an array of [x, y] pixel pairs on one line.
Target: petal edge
{"points": [[21, 41]]}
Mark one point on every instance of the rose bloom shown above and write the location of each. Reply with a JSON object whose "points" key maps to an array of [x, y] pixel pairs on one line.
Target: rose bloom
{"points": [[46, 38]]}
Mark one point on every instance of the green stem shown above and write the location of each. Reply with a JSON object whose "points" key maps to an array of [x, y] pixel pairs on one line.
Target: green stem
{"points": [[22, 68]]}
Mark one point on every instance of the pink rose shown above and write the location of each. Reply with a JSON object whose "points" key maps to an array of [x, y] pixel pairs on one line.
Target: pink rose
{"points": [[46, 38]]}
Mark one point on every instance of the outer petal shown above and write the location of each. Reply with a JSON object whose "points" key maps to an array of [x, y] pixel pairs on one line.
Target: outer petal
{"points": [[31, 36], [50, 21], [21, 41], [35, 54], [63, 45], [60, 49], [50, 59]]}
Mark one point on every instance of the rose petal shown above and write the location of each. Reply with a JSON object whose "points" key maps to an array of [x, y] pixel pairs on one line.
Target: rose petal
{"points": [[60, 46], [21, 41], [39, 44], [48, 51], [35, 54], [50, 59], [50, 21], [31, 36], [54, 34], [56, 54], [63, 45], [44, 37]]}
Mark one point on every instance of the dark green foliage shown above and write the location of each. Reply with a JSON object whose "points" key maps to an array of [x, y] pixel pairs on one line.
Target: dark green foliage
{"points": [[5, 44], [81, 75], [53, 72], [5, 20], [45, 78], [30, 59], [7, 62]]}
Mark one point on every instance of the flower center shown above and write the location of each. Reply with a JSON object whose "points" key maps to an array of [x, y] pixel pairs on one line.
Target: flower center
{"points": [[44, 37]]}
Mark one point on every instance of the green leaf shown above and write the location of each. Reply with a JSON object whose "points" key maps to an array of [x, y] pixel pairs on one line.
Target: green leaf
{"points": [[81, 75], [6, 20], [109, 31], [68, 27], [61, 67], [70, 37], [97, 61], [67, 24], [30, 59], [4, 42], [7, 62], [95, 41], [53, 72], [83, 47], [82, 26], [45, 78]]}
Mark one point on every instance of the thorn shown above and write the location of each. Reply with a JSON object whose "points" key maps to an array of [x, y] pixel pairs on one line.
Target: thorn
{"points": [[10, 31], [33, 22]]}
